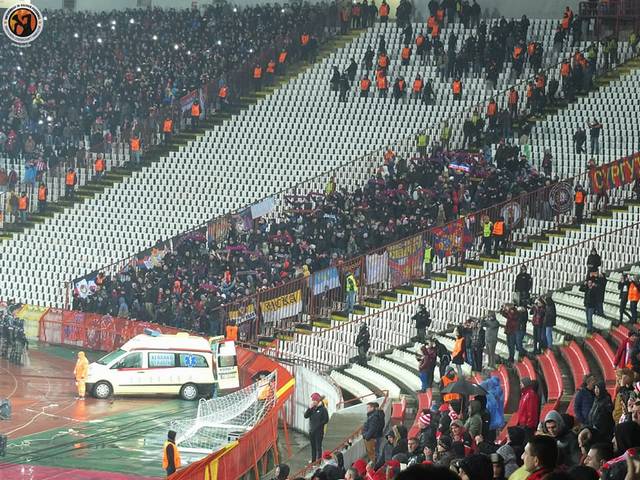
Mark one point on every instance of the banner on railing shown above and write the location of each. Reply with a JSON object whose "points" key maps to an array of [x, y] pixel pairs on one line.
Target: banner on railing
{"points": [[451, 238], [244, 314], [325, 280], [263, 208], [218, 229], [615, 174], [377, 267], [281, 307], [405, 259]]}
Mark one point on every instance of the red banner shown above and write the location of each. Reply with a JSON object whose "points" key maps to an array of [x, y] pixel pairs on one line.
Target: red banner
{"points": [[615, 174]]}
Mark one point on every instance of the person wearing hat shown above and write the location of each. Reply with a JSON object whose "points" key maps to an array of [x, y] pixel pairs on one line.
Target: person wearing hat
{"points": [[170, 454], [282, 472], [80, 372], [423, 320], [443, 454], [391, 447], [475, 467], [318, 418], [428, 422]]}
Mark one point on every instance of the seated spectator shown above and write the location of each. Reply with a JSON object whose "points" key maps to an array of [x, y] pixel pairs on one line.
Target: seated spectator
{"points": [[540, 456], [554, 426], [601, 414]]}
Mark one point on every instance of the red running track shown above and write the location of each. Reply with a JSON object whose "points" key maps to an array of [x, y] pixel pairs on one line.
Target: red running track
{"points": [[36, 472]]}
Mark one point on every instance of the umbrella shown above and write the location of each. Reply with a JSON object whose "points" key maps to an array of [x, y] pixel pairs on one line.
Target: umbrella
{"points": [[465, 388]]}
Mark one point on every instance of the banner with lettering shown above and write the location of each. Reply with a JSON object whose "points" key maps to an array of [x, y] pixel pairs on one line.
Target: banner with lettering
{"points": [[281, 307], [405, 260], [615, 174], [451, 238]]}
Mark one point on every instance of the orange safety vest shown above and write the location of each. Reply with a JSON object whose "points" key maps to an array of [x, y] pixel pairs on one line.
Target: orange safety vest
{"points": [[498, 228], [304, 39], [579, 197], [449, 397], [135, 142], [565, 22], [271, 67], [282, 57], [431, 21], [223, 92], [634, 293], [70, 179], [406, 53], [42, 193], [231, 332], [383, 61], [436, 31], [517, 52], [401, 85], [381, 82], [195, 110], [529, 91], [417, 85], [99, 165], [457, 87], [531, 48], [513, 97], [365, 83], [23, 203], [492, 109], [384, 10], [565, 69], [420, 40], [167, 126], [176, 456], [257, 72]]}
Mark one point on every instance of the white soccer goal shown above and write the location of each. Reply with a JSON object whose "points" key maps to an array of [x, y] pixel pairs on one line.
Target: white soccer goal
{"points": [[223, 419]]}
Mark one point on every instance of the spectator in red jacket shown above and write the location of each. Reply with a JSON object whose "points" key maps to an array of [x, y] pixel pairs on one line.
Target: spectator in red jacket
{"points": [[529, 406], [623, 355]]}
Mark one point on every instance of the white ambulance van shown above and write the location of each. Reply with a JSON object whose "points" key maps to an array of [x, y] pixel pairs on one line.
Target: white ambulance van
{"points": [[155, 365]]}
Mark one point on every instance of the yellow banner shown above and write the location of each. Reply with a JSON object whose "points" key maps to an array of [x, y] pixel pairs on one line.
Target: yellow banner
{"points": [[31, 314], [281, 307]]}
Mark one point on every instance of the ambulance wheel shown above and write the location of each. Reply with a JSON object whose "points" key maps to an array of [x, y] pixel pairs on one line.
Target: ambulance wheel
{"points": [[189, 392], [102, 390]]}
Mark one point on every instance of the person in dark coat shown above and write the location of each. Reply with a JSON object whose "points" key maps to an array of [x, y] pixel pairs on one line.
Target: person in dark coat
{"points": [[351, 71], [584, 398], [427, 364], [601, 287], [491, 327], [590, 302], [623, 288], [549, 320], [363, 344], [335, 79], [523, 285], [593, 261], [318, 418], [423, 321], [373, 429], [601, 414]]}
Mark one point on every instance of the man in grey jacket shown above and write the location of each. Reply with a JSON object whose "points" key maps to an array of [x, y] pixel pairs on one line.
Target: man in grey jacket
{"points": [[491, 326]]}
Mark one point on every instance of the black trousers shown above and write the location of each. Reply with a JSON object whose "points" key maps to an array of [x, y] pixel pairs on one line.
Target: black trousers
{"points": [[316, 443]]}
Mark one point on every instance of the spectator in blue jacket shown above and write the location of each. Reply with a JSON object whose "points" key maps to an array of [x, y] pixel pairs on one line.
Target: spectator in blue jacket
{"points": [[584, 399]]}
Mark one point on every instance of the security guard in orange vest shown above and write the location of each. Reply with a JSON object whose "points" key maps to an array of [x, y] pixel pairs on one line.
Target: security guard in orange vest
{"points": [[365, 86], [23, 206], [99, 167], [418, 85], [282, 61], [383, 11], [271, 71], [383, 86], [513, 103], [70, 181], [43, 192], [492, 111], [579, 200], [136, 147], [257, 77], [167, 129], [406, 55], [634, 297], [223, 97], [196, 111], [456, 88], [499, 236], [231, 331], [170, 455]]}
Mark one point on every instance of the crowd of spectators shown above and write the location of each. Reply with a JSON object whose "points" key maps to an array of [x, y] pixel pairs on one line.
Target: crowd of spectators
{"points": [[318, 230], [94, 77]]}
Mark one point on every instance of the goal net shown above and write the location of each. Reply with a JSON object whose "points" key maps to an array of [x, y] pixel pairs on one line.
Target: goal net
{"points": [[223, 419]]}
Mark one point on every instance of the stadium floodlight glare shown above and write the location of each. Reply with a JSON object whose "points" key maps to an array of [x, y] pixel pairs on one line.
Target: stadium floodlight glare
{"points": [[19, 68], [113, 22], [282, 11], [251, 50], [99, 25], [113, 27], [155, 37], [235, 9], [45, 18], [99, 40], [138, 69], [219, 42], [49, 118], [75, 35], [176, 47], [132, 21], [40, 122], [188, 52]]}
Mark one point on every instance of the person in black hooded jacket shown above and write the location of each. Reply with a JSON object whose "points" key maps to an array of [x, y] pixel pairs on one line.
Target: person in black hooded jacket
{"points": [[601, 414]]}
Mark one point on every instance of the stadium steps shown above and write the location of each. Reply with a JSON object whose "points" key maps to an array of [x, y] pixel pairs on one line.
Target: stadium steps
{"points": [[154, 153]]}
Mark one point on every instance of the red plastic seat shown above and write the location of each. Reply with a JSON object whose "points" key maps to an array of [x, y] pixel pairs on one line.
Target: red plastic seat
{"points": [[577, 362], [424, 401], [398, 409], [604, 355], [552, 375], [620, 334]]}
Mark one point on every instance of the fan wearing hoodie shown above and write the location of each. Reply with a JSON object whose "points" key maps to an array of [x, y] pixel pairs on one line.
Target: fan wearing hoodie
{"points": [[568, 450], [473, 424], [529, 406], [509, 459], [601, 414], [491, 327]]}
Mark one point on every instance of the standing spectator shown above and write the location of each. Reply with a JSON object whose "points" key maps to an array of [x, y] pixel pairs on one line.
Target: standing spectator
{"points": [[601, 414], [393, 445], [634, 297], [170, 455], [318, 418], [423, 321], [414, 455], [595, 127], [511, 330], [43, 193], [624, 390], [491, 326], [590, 302], [167, 128], [583, 400], [529, 406], [427, 262], [623, 288], [362, 343], [458, 352], [593, 261], [23, 206], [373, 429], [477, 345], [487, 229], [427, 365], [540, 456], [600, 282], [599, 454], [99, 166], [523, 286], [549, 319], [579, 139], [70, 181], [579, 200], [352, 291], [443, 455], [473, 424], [499, 236], [136, 148], [623, 354]]}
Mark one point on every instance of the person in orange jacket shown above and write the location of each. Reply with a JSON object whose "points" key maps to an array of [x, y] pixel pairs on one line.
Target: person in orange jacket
{"points": [[80, 373]]}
